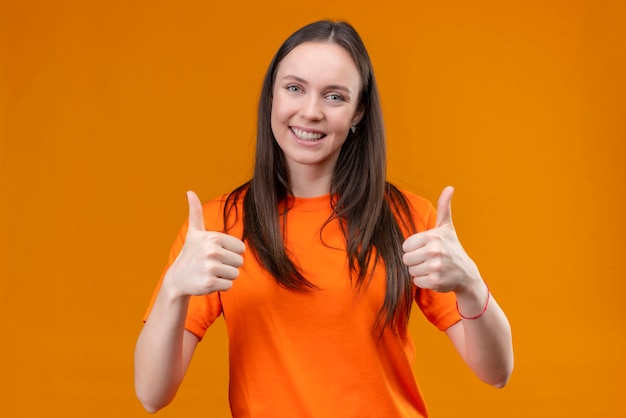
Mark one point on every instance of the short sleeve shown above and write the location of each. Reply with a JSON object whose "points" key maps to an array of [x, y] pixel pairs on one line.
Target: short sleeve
{"points": [[438, 308], [203, 310]]}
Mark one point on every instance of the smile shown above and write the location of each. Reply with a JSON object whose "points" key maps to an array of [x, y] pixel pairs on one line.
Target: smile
{"points": [[307, 136]]}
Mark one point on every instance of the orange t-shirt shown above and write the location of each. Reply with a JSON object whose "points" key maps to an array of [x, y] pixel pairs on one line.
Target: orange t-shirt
{"points": [[315, 354]]}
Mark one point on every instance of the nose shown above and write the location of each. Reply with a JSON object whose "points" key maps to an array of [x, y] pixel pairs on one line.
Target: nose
{"points": [[312, 108]]}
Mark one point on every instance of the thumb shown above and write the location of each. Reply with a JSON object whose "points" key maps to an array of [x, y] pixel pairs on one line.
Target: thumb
{"points": [[444, 210], [196, 217]]}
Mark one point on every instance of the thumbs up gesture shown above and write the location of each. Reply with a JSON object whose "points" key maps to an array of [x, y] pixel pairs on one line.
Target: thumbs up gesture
{"points": [[209, 261], [435, 258]]}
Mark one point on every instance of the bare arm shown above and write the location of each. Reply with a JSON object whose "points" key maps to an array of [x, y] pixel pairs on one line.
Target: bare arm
{"points": [[437, 261], [207, 263], [163, 352], [484, 343]]}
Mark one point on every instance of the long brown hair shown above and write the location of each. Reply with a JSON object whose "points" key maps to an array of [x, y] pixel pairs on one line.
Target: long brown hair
{"points": [[373, 213]]}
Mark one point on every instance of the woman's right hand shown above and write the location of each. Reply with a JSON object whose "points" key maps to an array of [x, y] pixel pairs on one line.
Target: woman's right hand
{"points": [[208, 262]]}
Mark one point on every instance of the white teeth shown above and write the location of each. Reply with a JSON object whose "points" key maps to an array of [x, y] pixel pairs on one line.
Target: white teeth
{"points": [[307, 136]]}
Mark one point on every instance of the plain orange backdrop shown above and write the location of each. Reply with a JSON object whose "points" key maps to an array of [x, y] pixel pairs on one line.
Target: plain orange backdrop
{"points": [[111, 110]]}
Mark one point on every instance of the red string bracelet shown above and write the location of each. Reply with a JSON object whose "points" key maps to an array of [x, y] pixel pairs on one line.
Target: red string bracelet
{"points": [[481, 312]]}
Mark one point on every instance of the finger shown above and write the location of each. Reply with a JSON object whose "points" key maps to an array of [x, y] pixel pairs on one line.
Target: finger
{"points": [[196, 216], [217, 284], [425, 268], [223, 285], [233, 244], [414, 258], [223, 271], [423, 282], [444, 207], [412, 243], [232, 259], [229, 258], [418, 240]]}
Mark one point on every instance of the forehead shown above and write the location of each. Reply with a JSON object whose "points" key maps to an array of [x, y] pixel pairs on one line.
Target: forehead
{"points": [[320, 62]]}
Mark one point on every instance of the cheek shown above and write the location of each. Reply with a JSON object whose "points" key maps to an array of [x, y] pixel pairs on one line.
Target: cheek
{"points": [[275, 119], [278, 112], [342, 123], [279, 122]]}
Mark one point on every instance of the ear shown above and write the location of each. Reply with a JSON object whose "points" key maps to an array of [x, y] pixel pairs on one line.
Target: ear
{"points": [[358, 115]]}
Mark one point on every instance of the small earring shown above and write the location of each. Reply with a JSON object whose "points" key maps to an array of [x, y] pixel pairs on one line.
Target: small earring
{"points": [[353, 128]]}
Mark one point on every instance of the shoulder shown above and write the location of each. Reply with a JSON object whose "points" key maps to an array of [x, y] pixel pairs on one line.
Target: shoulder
{"points": [[417, 201], [214, 208], [420, 209], [227, 202], [225, 213], [217, 209]]}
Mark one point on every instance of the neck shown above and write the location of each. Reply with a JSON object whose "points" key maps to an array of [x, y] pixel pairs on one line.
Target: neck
{"points": [[309, 181]]}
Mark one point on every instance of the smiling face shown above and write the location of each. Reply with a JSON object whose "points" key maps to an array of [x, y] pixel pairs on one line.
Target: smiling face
{"points": [[315, 101]]}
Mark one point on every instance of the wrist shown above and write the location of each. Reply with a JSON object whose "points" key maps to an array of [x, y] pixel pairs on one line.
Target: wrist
{"points": [[171, 291], [473, 302], [471, 287]]}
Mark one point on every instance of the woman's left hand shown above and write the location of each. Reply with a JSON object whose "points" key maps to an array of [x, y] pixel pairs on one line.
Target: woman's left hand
{"points": [[436, 259]]}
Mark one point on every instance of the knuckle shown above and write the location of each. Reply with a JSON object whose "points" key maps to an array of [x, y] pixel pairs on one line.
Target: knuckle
{"points": [[212, 235], [212, 269], [433, 281], [436, 265], [431, 252], [212, 253], [435, 239], [212, 284]]}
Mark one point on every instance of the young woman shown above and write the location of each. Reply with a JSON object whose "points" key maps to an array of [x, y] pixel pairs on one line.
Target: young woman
{"points": [[327, 255]]}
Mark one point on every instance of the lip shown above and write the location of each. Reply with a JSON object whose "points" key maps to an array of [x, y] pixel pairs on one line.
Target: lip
{"points": [[306, 142]]}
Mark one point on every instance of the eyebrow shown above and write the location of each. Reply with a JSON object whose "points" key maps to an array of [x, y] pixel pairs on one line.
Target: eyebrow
{"points": [[331, 87]]}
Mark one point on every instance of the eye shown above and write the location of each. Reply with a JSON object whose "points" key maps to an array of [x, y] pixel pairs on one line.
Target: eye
{"points": [[293, 88], [335, 97]]}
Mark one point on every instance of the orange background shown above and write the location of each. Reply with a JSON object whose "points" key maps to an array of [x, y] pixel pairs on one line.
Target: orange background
{"points": [[111, 110]]}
